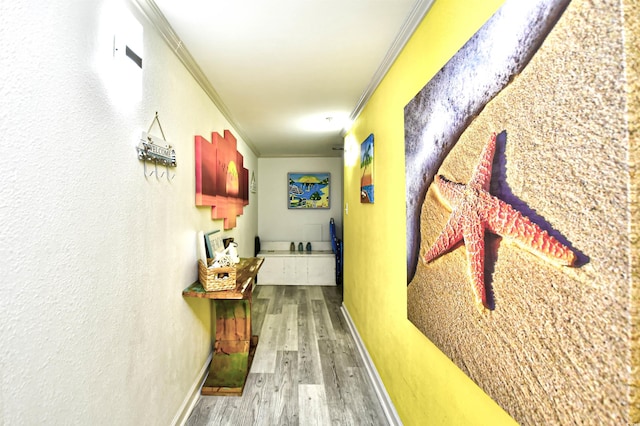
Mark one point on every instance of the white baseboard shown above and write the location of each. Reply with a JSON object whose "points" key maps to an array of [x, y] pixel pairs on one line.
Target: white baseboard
{"points": [[331, 284], [192, 396], [381, 392]]}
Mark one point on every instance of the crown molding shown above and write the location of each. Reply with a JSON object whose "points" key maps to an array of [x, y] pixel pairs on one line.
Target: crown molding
{"points": [[151, 11], [409, 26]]}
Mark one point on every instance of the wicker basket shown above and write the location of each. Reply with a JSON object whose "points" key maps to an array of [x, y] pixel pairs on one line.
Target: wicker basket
{"points": [[216, 279]]}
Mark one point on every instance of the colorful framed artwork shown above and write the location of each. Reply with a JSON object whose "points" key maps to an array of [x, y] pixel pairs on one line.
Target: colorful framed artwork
{"points": [[309, 190], [366, 170], [222, 181]]}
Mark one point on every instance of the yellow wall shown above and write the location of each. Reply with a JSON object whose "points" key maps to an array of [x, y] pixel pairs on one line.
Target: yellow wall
{"points": [[424, 385]]}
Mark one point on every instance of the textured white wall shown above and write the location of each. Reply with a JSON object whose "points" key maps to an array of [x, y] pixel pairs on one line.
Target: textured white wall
{"points": [[93, 326], [278, 223]]}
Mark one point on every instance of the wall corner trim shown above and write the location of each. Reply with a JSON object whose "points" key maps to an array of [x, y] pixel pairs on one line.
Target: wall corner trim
{"points": [[193, 395], [381, 392], [153, 14], [416, 15]]}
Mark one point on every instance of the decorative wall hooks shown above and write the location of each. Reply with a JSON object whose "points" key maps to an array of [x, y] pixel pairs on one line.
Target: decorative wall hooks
{"points": [[152, 148]]}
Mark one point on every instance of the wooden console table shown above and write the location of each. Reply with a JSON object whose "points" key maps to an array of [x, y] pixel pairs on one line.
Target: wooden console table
{"points": [[234, 345]]}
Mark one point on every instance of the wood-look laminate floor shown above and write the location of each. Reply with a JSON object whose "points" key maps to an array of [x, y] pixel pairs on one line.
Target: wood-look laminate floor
{"points": [[306, 369]]}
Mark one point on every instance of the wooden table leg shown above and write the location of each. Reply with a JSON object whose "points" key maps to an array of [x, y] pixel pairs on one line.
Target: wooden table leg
{"points": [[233, 348]]}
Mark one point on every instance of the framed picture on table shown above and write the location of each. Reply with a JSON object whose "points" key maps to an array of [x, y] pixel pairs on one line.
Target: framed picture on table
{"points": [[213, 243]]}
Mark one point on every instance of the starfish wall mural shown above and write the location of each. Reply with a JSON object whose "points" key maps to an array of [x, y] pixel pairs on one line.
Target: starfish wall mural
{"points": [[517, 242], [474, 209], [436, 117]]}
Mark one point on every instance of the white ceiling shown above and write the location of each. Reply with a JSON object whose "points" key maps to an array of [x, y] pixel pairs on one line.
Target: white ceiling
{"points": [[278, 68]]}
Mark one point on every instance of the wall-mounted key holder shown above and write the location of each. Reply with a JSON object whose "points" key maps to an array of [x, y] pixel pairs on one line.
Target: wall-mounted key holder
{"points": [[157, 150]]}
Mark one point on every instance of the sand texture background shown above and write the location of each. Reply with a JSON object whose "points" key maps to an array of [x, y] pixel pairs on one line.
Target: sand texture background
{"points": [[632, 70], [556, 348]]}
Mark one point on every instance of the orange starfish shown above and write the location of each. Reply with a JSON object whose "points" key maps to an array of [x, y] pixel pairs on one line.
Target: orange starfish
{"points": [[474, 209]]}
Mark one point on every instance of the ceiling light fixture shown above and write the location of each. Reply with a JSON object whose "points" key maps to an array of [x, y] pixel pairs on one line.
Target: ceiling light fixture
{"points": [[325, 123]]}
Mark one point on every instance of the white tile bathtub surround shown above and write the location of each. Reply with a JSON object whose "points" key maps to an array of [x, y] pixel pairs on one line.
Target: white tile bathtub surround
{"points": [[284, 267], [267, 246]]}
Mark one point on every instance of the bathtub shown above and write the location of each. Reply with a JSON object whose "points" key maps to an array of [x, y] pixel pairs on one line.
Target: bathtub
{"points": [[284, 267]]}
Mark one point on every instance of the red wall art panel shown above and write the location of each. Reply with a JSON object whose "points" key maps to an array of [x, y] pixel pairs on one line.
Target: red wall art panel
{"points": [[221, 180]]}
